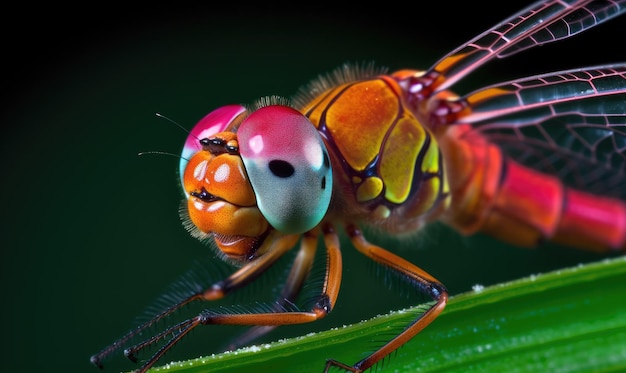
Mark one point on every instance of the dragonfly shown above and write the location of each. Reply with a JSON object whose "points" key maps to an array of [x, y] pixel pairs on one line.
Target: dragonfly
{"points": [[540, 158]]}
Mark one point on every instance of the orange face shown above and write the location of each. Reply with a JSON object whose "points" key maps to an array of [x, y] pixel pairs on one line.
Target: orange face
{"points": [[221, 201]]}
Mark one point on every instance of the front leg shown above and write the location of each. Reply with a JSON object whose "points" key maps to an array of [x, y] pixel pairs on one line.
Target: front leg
{"points": [[300, 269], [320, 309], [278, 245]]}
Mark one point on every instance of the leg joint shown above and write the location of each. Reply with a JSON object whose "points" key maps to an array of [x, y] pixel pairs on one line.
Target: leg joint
{"points": [[322, 307]]}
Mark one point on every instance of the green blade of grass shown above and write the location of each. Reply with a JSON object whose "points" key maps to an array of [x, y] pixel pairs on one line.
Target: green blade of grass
{"points": [[573, 320]]}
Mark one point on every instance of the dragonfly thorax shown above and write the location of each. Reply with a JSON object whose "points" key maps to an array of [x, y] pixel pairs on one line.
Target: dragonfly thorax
{"points": [[387, 165]]}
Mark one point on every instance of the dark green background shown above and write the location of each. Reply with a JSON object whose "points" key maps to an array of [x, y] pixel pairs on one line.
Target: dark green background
{"points": [[91, 234]]}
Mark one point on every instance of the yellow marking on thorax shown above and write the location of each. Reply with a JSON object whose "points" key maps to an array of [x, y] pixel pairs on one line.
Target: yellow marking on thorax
{"points": [[369, 189]]}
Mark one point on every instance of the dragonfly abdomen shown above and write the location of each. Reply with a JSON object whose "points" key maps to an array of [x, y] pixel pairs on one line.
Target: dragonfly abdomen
{"points": [[493, 194], [557, 212]]}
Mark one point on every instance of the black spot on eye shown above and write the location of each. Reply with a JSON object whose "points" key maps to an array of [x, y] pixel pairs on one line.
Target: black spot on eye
{"points": [[324, 182], [281, 168]]}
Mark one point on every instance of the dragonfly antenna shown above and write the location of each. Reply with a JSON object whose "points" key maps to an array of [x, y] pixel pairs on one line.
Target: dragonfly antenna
{"points": [[160, 153], [173, 122]]}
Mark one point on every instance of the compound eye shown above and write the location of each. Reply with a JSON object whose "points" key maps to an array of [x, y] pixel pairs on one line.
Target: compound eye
{"points": [[212, 123], [288, 166]]}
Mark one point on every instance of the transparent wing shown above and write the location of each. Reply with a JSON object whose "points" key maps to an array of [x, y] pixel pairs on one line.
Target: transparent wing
{"points": [[571, 124], [539, 24]]}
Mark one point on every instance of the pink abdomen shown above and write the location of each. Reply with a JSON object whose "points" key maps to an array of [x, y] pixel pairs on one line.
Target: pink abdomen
{"points": [[492, 193]]}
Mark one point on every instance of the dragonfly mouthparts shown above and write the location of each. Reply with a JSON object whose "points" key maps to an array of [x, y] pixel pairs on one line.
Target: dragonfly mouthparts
{"points": [[204, 195]]}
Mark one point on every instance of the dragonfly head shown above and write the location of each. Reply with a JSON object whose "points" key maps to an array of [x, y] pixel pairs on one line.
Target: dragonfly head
{"points": [[245, 174]]}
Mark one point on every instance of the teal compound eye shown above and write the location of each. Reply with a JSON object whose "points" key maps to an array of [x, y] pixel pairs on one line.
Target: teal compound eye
{"points": [[288, 166]]}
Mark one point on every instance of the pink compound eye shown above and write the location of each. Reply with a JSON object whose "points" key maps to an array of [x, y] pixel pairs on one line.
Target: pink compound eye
{"points": [[212, 123], [288, 166]]}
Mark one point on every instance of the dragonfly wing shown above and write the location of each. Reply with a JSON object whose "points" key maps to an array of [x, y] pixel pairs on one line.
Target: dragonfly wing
{"points": [[571, 124], [539, 24]]}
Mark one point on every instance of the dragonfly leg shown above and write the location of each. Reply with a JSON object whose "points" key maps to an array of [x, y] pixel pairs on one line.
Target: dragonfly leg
{"points": [[279, 246], [320, 309], [300, 269], [284, 316], [413, 274]]}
